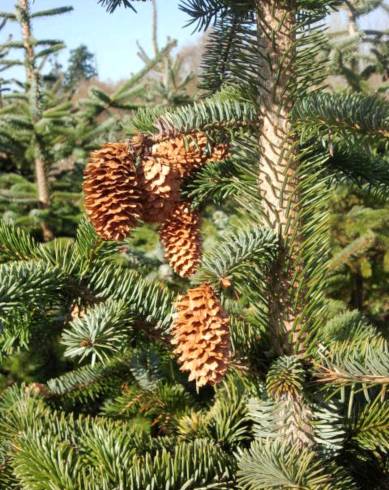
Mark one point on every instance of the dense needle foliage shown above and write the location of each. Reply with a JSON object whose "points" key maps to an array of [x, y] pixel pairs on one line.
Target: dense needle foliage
{"points": [[294, 264]]}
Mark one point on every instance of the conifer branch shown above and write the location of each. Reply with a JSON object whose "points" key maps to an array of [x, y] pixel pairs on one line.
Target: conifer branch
{"points": [[112, 5], [241, 259], [272, 463]]}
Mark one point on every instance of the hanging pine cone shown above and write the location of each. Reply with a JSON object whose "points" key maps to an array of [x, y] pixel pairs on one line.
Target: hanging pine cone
{"points": [[189, 153], [160, 186], [200, 334], [112, 195], [180, 235]]}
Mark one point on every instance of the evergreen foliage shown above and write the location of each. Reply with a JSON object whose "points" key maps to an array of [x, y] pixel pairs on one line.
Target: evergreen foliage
{"points": [[357, 54], [304, 402], [69, 127], [81, 66], [112, 5]]}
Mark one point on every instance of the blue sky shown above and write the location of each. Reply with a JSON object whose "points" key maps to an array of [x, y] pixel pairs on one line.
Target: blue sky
{"points": [[112, 38]]}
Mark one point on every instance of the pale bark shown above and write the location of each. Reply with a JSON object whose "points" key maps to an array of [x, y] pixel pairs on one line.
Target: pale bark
{"points": [[352, 28], [34, 96], [278, 178], [278, 165], [155, 28], [41, 182]]}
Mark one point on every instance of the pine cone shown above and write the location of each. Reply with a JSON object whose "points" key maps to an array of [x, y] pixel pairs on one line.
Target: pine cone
{"points": [[112, 195], [180, 235], [200, 333], [189, 153], [160, 186]]}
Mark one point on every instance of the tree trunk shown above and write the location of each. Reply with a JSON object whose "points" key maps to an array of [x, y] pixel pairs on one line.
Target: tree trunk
{"points": [[36, 112], [278, 180], [155, 28], [353, 30], [41, 182], [356, 300]]}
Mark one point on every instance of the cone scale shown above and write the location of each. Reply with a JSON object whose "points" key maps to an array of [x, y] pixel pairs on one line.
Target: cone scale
{"points": [[112, 194], [160, 186], [200, 334], [180, 236], [187, 153]]}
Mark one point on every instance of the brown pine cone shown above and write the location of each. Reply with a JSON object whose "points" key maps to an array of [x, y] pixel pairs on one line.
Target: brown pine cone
{"points": [[200, 334], [111, 192], [160, 186], [180, 235], [190, 152]]}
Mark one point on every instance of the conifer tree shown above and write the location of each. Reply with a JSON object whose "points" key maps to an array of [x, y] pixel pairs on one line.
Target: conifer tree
{"points": [[36, 120], [169, 80], [359, 228], [81, 66], [358, 54], [68, 130], [3, 53], [241, 374], [360, 251]]}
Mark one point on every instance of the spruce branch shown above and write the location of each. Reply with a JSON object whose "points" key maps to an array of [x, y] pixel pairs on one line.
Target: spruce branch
{"points": [[231, 56], [100, 333], [298, 424], [267, 464], [353, 366], [147, 299], [353, 114], [112, 5], [205, 13], [369, 426], [89, 382], [207, 115], [241, 259], [356, 248], [363, 168], [51, 12], [198, 463], [15, 243], [32, 284]]}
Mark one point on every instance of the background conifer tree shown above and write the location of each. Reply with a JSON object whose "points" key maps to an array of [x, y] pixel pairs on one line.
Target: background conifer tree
{"points": [[359, 54], [34, 120], [243, 374], [82, 66], [359, 228], [70, 127]]}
